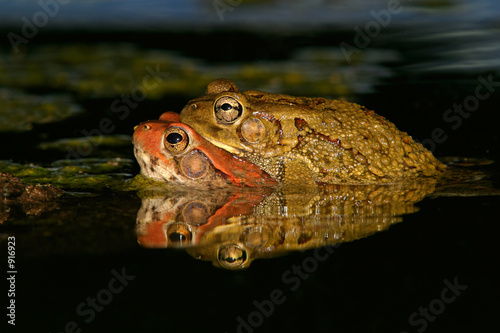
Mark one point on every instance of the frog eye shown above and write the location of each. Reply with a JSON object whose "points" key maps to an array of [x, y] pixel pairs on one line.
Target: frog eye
{"points": [[179, 234], [227, 110], [232, 256], [175, 140]]}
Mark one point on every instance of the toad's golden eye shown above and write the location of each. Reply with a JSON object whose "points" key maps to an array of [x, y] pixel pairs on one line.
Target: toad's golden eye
{"points": [[227, 110], [232, 256], [175, 140]]}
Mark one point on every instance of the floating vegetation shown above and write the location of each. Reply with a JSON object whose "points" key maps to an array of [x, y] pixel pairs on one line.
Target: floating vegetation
{"points": [[96, 146], [94, 174], [20, 111], [107, 71]]}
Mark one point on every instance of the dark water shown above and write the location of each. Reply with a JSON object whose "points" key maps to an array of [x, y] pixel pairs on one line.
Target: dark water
{"points": [[431, 57]]}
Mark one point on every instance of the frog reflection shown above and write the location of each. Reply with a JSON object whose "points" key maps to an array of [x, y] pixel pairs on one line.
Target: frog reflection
{"points": [[182, 218], [233, 228]]}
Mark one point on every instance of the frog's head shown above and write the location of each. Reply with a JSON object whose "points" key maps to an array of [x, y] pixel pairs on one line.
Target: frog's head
{"points": [[170, 151]]}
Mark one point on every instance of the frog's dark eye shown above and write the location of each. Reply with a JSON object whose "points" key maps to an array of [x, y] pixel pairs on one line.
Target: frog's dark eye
{"points": [[175, 140], [227, 110], [232, 256]]}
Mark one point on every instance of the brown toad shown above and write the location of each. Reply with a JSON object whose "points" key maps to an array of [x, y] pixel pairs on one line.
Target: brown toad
{"points": [[301, 140]]}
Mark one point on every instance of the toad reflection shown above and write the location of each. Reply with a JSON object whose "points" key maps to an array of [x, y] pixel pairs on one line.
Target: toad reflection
{"points": [[233, 228]]}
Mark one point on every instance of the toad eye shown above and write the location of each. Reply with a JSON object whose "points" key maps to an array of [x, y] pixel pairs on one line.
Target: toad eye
{"points": [[227, 110], [175, 140]]}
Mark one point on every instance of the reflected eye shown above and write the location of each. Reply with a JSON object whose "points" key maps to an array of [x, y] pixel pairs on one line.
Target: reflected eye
{"points": [[227, 110], [232, 256], [179, 234], [176, 140]]}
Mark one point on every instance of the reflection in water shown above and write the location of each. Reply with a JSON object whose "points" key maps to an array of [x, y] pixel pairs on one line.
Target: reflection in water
{"points": [[233, 228]]}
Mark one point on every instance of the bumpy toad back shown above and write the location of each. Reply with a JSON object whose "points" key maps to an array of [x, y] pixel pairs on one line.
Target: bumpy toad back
{"points": [[308, 140]]}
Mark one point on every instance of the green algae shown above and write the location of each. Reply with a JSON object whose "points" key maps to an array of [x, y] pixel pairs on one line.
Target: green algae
{"points": [[90, 144], [91, 174], [107, 71], [20, 111]]}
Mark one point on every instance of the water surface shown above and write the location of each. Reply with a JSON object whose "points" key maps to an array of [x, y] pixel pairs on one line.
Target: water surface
{"points": [[80, 67]]}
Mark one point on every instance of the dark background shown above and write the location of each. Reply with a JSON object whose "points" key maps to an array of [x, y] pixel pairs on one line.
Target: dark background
{"points": [[371, 285]]}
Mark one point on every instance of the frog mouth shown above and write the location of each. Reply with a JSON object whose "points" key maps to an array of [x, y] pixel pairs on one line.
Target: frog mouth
{"points": [[150, 167]]}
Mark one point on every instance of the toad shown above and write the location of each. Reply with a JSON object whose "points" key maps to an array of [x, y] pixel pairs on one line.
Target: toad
{"points": [[302, 140], [173, 152]]}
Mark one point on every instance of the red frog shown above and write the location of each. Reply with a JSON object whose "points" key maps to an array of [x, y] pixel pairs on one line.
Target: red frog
{"points": [[168, 150]]}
